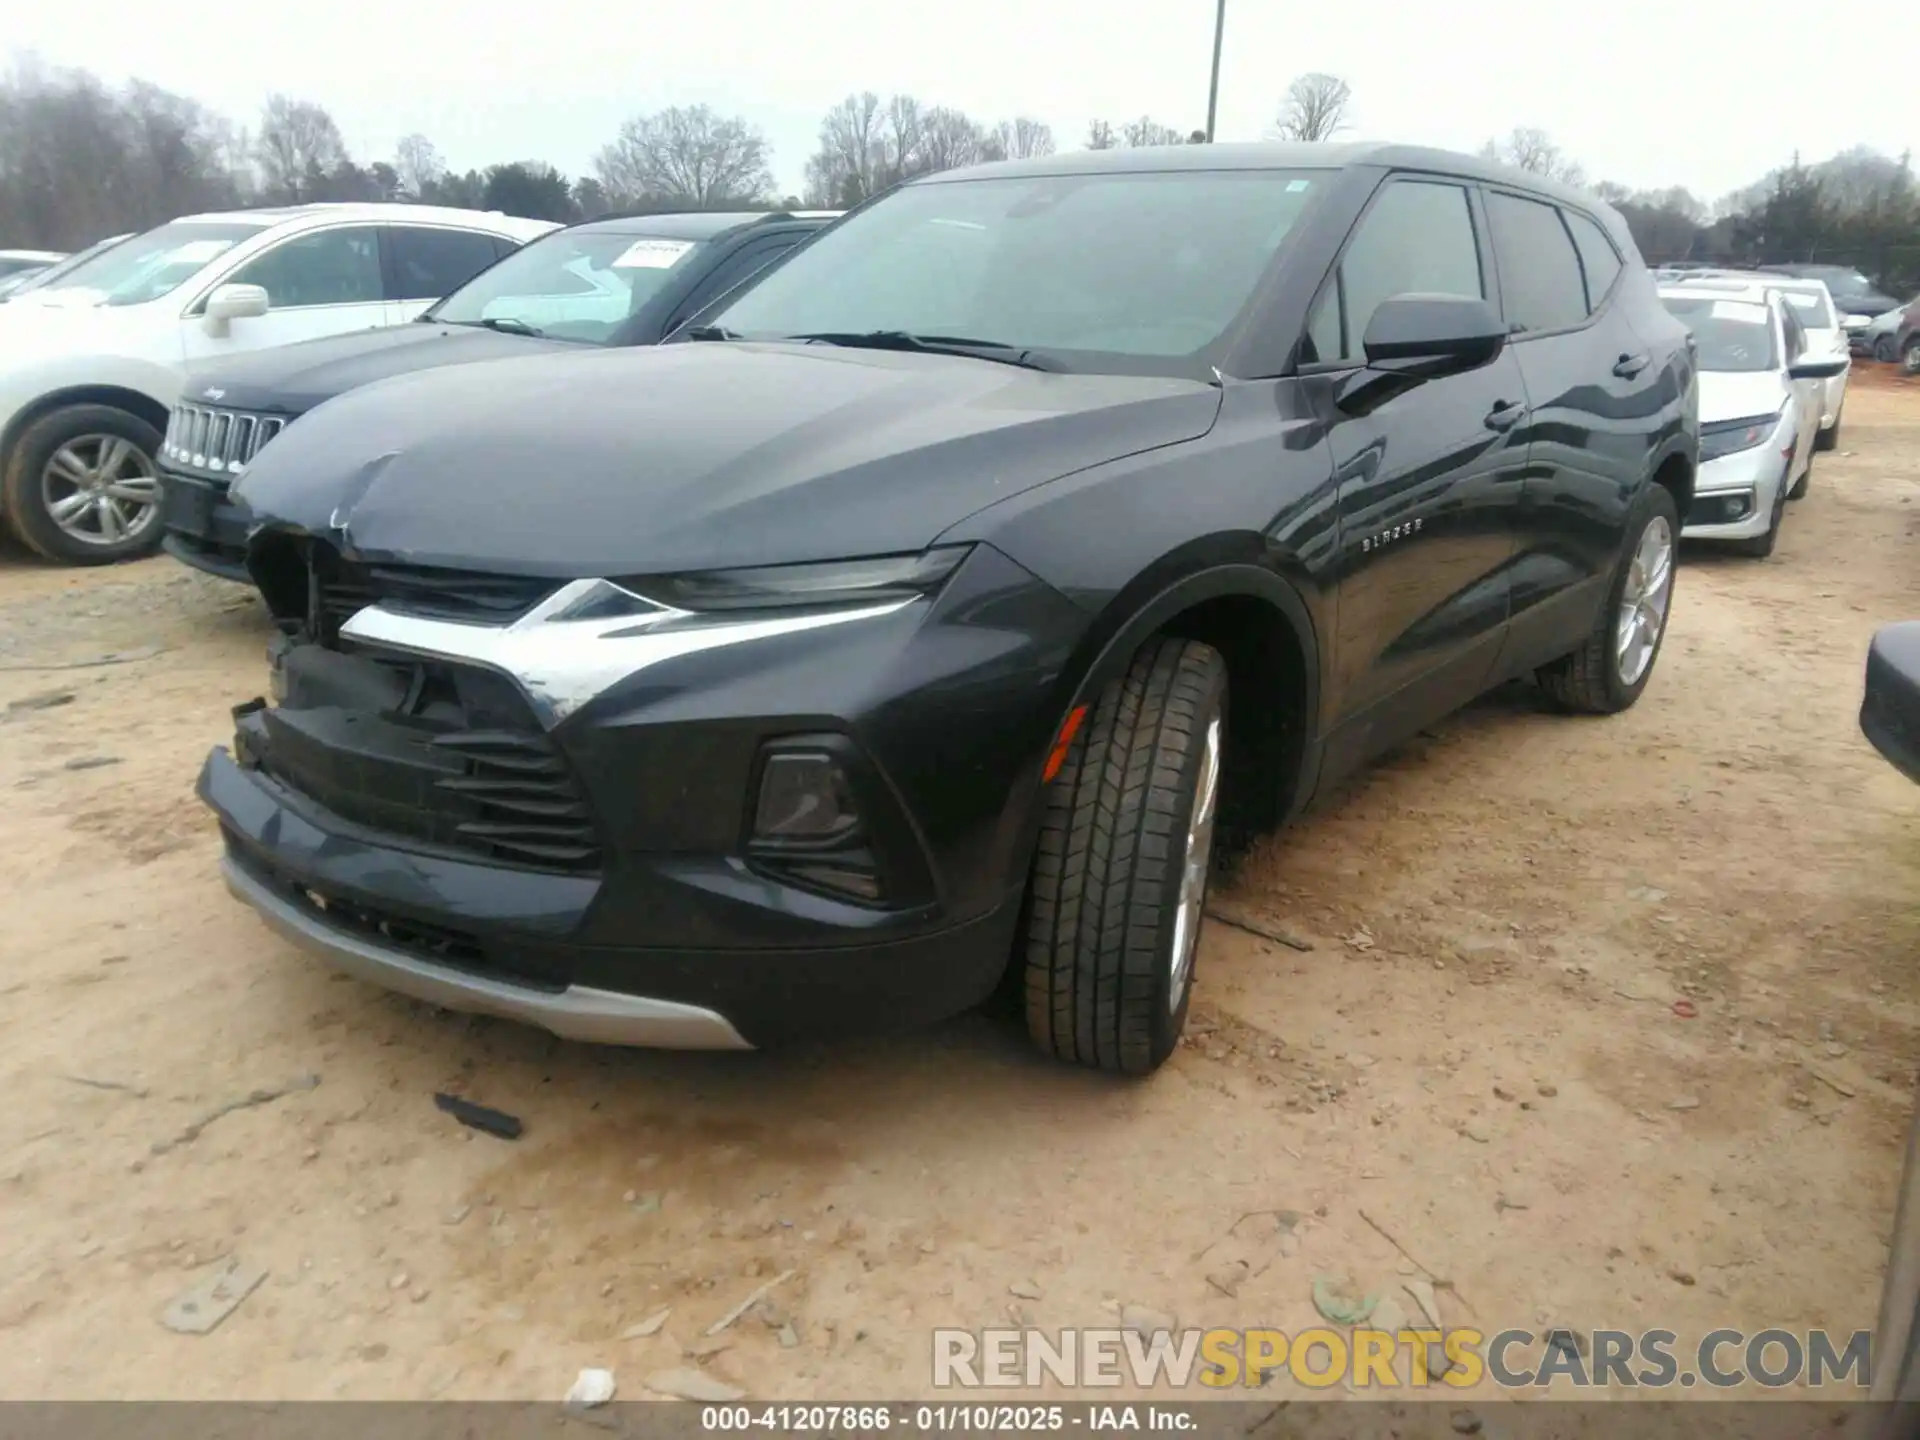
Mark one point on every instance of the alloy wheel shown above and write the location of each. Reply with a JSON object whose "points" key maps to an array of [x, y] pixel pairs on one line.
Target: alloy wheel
{"points": [[101, 489], [1644, 600], [1193, 872]]}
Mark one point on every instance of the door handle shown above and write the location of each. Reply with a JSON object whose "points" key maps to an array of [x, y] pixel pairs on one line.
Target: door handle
{"points": [[1628, 366], [1505, 415]]}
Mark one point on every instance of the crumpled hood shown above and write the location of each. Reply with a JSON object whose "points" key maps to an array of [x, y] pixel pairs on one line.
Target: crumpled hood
{"points": [[695, 456], [292, 379], [1739, 394]]}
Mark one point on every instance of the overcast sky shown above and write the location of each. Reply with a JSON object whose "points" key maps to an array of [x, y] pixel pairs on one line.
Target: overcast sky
{"points": [[1701, 93]]}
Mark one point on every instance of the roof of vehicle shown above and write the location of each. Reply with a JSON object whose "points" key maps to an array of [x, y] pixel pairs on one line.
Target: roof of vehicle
{"points": [[1726, 290], [1268, 155], [1772, 280], [47, 255], [693, 224], [375, 211]]}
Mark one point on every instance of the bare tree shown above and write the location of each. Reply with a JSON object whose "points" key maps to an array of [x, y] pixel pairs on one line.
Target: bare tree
{"points": [[299, 146], [1022, 138], [952, 139], [418, 164], [686, 154], [1315, 108], [1534, 151], [844, 170], [1147, 131], [900, 142], [1100, 135]]}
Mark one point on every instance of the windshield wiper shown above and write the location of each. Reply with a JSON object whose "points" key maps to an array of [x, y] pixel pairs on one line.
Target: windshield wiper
{"points": [[506, 325], [993, 350]]}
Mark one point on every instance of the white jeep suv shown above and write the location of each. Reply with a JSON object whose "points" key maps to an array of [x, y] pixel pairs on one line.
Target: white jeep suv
{"points": [[91, 364]]}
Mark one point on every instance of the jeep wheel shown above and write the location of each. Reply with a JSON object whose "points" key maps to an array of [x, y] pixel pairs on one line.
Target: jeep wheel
{"points": [[81, 485], [1608, 672], [1119, 880]]}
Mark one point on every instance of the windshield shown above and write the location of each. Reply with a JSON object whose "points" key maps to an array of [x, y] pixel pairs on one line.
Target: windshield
{"points": [[1133, 267], [150, 265], [53, 273], [579, 285], [1734, 335], [13, 265], [1813, 310]]}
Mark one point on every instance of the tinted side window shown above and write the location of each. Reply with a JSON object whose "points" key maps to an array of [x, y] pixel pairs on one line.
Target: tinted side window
{"points": [[1540, 277], [428, 264], [1417, 236], [326, 267], [1598, 258]]}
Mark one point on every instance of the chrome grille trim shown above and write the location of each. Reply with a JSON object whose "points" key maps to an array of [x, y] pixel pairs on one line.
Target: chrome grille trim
{"points": [[217, 441]]}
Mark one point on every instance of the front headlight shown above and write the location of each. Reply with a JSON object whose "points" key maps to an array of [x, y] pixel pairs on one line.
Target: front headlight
{"points": [[1730, 437], [869, 581]]}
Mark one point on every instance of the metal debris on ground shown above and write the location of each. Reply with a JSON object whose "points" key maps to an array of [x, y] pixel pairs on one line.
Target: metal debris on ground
{"points": [[245, 1102], [479, 1117], [211, 1298]]}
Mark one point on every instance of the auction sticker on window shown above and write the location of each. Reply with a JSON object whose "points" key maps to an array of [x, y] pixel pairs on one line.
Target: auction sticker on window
{"points": [[1744, 310], [652, 254]]}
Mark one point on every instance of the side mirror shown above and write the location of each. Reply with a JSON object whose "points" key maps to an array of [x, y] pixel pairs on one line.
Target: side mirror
{"points": [[1427, 336], [234, 302], [1890, 712], [1415, 338], [1816, 369]]}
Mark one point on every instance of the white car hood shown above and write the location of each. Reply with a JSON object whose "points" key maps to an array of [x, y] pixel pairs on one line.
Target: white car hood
{"points": [[60, 299], [1737, 395]]}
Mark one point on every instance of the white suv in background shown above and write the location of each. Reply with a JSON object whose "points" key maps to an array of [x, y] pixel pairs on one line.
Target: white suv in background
{"points": [[91, 364]]}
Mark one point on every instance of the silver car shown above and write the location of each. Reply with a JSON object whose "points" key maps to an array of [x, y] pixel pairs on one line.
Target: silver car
{"points": [[1760, 379], [1813, 307]]}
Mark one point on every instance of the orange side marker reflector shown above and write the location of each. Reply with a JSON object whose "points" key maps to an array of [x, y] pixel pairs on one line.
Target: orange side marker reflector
{"points": [[1058, 755]]}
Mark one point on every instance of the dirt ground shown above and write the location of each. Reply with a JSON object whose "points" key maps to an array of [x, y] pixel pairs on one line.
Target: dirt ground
{"points": [[1480, 1056]]}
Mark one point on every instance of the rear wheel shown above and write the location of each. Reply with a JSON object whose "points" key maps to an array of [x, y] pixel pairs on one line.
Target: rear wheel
{"points": [[81, 485], [1611, 668], [1119, 879]]}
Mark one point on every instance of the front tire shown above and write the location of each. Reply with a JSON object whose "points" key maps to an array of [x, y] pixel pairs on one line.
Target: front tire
{"points": [[81, 486], [1829, 438], [1761, 546], [1120, 874], [1799, 490], [1612, 666]]}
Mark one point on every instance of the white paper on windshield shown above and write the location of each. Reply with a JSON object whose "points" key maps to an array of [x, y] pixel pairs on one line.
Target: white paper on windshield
{"points": [[198, 252], [652, 254], [1744, 311], [1803, 302]]}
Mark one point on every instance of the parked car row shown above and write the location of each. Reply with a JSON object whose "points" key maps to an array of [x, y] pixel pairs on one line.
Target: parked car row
{"points": [[923, 614], [93, 361]]}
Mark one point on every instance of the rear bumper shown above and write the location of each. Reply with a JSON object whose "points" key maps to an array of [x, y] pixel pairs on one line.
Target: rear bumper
{"points": [[205, 528]]}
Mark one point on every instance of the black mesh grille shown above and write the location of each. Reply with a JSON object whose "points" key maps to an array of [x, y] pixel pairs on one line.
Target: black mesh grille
{"points": [[424, 750]]}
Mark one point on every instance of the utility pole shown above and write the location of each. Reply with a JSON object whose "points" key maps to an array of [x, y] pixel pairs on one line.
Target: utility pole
{"points": [[1213, 89]]}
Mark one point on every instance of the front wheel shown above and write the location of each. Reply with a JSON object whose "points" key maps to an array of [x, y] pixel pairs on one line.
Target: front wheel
{"points": [[1119, 880], [81, 485], [1828, 438], [1883, 349], [1612, 666]]}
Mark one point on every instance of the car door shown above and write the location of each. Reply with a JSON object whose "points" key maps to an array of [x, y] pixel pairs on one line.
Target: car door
{"points": [[1595, 398], [753, 256], [1424, 482], [425, 263], [318, 282]]}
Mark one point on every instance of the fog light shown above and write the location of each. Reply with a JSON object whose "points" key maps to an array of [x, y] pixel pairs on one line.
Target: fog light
{"points": [[805, 800], [1721, 509]]}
